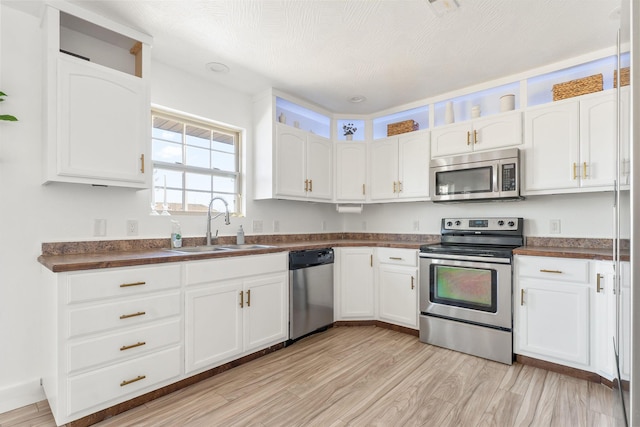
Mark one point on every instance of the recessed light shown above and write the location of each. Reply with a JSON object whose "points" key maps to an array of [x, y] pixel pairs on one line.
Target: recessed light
{"points": [[357, 99], [217, 67]]}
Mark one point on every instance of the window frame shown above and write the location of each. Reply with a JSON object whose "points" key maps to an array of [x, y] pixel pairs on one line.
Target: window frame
{"points": [[190, 120]]}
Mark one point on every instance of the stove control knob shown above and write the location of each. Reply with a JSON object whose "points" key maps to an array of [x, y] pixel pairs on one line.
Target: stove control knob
{"points": [[511, 223], [449, 223], [458, 223], [501, 222]]}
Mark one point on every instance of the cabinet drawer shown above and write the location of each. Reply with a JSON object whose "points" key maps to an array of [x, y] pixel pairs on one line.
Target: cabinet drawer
{"points": [[122, 282], [102, 386], [122, 314], [560, 269], [120, 346], [236, 267], [397, 256]]}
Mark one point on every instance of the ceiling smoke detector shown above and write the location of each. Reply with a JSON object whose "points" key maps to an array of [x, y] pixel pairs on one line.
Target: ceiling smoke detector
{"points": [[442, 7], [217, 67], [357, 99]]}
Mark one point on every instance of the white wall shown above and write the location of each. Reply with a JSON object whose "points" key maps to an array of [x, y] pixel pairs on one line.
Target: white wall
{"points": [[31, 213]]}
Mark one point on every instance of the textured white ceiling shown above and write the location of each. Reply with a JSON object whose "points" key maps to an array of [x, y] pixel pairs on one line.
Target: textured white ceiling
{"points": [[391, 51]]}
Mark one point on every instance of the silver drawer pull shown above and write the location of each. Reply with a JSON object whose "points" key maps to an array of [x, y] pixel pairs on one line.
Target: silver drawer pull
{"points": [[127, 347], [127, 382], [551, 271], [126, 316], [126, 285], [395, 258]]}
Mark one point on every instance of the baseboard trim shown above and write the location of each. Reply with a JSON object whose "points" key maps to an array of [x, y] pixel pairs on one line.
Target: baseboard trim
{"points": [[565, 370], [379, 324], [19, 395]]}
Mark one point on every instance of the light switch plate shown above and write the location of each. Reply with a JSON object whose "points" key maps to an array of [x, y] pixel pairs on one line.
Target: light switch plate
{"points": [[554, 226], [257, 226], [99, 227]]}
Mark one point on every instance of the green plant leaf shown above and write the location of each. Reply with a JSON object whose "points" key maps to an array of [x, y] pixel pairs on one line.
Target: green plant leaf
{"points": [[8, 118], [3, 94]]}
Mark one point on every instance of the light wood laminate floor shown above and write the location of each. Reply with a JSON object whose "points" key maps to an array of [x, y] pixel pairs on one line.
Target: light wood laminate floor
{"points": [[368, 376]]}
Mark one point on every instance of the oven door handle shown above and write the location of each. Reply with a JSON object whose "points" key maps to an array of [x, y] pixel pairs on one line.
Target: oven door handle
{"points": [[489, 259]]}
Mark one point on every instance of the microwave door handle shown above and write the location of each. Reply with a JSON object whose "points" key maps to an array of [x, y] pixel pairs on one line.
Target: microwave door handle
{"points": [[496, 177]]}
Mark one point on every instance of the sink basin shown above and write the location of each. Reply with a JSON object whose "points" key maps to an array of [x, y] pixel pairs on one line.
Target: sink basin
{"points": [[246, 246], [199, 249], [217, 248]]}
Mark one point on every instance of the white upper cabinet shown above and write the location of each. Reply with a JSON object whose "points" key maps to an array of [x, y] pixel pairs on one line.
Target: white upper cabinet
{"points": [[293, 152], [97, 100], [351, 171], [303, 165], [503, 130], [399, 167], [570, 146]]}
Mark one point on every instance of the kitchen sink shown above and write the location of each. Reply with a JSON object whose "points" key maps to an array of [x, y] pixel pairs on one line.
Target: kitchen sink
{"points": [[199, 249], [246, 246], [217, 248]]}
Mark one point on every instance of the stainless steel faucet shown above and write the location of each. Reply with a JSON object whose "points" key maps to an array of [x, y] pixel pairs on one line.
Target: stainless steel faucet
{"points": [[210, 218]]}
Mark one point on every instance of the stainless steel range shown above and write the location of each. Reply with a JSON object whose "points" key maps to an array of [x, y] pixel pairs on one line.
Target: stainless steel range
{"points": [[466, 286]]}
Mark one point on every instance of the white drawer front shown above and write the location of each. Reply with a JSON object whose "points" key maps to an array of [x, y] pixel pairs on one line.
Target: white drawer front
{"points": [[122, 381], [562, 269], [235, 267], [120, 346], [121, 282], [398, 256], [122, 314]]}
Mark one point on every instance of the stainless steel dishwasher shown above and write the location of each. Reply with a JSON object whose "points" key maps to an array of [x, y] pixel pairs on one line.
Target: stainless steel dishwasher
{"points": [[310, 291]]}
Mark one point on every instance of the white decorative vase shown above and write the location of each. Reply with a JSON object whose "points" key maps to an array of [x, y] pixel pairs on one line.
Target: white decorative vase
{"points": [[448, 113], [507, 102], [282, 118], [349, 137], [475, 111]]}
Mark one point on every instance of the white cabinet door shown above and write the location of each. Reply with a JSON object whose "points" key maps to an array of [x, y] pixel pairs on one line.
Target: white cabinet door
{"points": [[603, 321], [355, 284], [499, 131], [266, 311], [290, 161], [102, 125], [319, 168], [351, 172], [553, 321], [384, 169], [451, 140], [398, 301], [413, 168], [598, 126], [213, 325], [551, 140]]}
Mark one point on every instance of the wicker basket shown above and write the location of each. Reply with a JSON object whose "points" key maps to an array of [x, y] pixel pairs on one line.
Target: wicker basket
{"points": [[577, 87], [624, 77], [402, 127]]}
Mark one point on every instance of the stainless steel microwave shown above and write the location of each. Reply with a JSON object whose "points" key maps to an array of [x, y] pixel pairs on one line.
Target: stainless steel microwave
{"points": [[490, 175]]}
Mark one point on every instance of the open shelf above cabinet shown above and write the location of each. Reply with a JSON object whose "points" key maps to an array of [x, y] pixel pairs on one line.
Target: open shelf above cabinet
{"points": [[420, 116], [294, 115]]}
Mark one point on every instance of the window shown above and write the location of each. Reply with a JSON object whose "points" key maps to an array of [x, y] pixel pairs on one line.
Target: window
{"points": [[194, 161]]}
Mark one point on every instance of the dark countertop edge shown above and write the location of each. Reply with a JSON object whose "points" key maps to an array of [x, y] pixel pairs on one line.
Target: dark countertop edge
{"points": [[599, 254], [93, 261]]}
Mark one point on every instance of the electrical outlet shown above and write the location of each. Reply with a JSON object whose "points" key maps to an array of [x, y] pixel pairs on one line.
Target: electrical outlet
{"points": [[554, 226], [364, 225], [323, 225], [276, 225], [132, 227], [416, 225], [99, 227], [257, 226]]}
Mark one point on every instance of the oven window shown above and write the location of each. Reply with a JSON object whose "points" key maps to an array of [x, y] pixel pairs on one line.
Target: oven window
{"points": [[473, 288], [463, 181]]}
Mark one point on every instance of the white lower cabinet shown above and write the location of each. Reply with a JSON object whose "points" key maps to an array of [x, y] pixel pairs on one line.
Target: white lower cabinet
{"points": [[109, 336], [379, 283], [234, 306], [355, 293], [398, 286], [565, 312]]}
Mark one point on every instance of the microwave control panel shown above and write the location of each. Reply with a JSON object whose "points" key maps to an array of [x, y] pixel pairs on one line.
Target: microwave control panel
{"points": [[509, 178]]}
